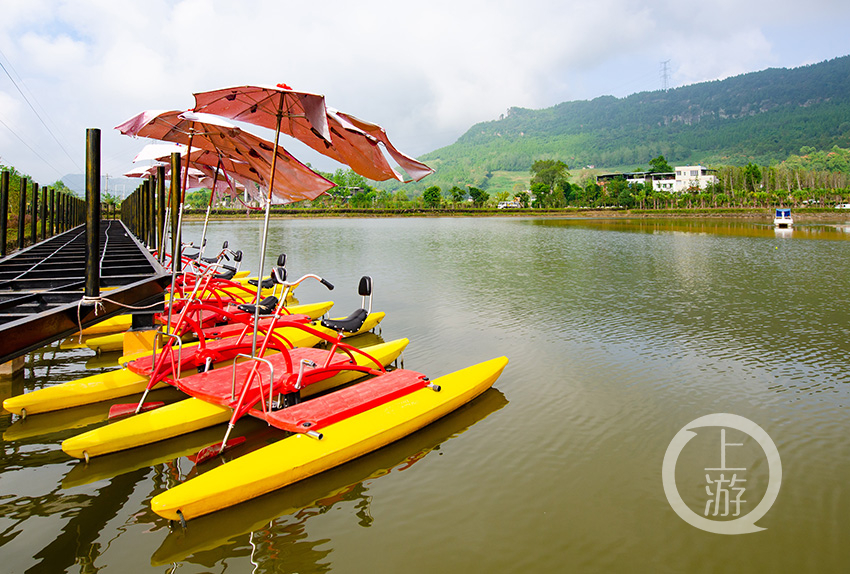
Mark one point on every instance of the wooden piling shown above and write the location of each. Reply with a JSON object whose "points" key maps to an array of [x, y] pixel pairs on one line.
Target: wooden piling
{"points": [[34, 217], [51, 218], [4, 211], [22, 214], [176, 251], [92, 213]]}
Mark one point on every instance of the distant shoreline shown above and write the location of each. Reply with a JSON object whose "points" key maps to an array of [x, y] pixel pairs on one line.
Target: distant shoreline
{"points": [[801, 215]]}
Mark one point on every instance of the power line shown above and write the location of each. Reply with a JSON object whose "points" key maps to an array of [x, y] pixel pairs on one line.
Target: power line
{"points": [[26, 99], [30, 148]]}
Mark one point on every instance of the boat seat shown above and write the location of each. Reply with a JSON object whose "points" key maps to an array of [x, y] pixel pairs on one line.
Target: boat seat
{"points": [[267, 306], [268, 282], [320, 412], [278, 274], [227, 274], [350, 324]]}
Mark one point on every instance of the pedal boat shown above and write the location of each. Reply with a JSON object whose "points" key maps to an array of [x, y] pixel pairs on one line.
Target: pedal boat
{"points": [[342, 425]]}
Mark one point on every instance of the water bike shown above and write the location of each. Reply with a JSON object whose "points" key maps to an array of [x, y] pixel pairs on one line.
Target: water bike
{"points": [[227, 394]]}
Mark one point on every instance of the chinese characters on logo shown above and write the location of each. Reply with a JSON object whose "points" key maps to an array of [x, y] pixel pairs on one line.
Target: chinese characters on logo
{"points": [[725, 484], [722, 485]]}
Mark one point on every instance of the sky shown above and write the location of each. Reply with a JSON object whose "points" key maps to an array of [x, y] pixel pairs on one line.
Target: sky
{"points": [[425, 71]]}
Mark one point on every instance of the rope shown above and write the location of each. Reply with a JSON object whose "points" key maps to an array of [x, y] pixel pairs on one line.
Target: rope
{"points": [[97, 302], [105, 244]]}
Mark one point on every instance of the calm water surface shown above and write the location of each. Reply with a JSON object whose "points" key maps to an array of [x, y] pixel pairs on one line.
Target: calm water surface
{"points": [[619, 333]]}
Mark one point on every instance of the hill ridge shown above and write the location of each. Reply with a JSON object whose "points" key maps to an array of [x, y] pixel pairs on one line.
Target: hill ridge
{"points": [[761, 116]]}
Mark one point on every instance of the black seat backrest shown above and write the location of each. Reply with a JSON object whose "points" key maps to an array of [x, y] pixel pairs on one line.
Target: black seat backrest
{"points": [[365, 287]]}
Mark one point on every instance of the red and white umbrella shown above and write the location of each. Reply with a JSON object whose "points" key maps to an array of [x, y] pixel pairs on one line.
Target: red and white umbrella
{"points": [[304, 116], [251, 155]]}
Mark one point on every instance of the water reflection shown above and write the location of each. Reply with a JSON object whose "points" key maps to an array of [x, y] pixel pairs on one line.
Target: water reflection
{"points": [[619, 333], [741, 227], [280, 517]]}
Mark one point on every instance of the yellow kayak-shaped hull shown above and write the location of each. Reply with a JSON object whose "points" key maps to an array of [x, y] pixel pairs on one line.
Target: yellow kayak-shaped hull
{"points": [[300, 456], [194, 414], [91, 389], [111, 325]]}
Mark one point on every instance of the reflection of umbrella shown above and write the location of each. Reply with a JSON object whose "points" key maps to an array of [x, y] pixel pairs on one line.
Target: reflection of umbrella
{"points": [[294, 180], [340, 136]]}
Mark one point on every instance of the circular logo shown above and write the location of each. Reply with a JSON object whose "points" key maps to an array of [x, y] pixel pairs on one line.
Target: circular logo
{"points": [[746, 523]]}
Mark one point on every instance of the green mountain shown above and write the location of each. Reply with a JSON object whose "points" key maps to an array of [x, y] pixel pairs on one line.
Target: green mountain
{"points": [[761, 117]]}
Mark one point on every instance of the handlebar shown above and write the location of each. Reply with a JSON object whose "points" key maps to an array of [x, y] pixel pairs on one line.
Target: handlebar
{"points": [[324, 282]]}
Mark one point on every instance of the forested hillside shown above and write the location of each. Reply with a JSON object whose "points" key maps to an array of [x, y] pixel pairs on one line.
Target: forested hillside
{"points": [[763, 117]]}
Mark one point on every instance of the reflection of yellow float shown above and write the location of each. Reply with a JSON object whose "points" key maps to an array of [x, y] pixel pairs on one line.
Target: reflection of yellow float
{"points": [[321, 492]]}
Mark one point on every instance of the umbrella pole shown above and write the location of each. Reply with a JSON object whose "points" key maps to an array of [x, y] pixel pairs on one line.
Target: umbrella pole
{"points": [[209, 207], [176, 242], [175, 246], [266, 229], [183, 191]]}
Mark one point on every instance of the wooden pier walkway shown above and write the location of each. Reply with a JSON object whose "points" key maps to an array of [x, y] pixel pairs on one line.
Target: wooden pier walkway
{"points": [[42, 286]]}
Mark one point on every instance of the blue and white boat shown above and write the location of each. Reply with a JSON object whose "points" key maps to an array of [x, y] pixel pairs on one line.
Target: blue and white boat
{"points": [[783, 219]]}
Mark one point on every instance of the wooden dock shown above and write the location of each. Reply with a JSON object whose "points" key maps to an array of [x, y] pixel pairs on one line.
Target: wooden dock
{"points": [[42, 287]]}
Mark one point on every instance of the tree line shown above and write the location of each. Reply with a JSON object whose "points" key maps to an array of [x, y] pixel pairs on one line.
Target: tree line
{"points": [[812, 178]]}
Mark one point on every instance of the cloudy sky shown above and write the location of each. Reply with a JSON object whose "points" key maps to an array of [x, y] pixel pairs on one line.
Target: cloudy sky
{"points": [[426, 71]]}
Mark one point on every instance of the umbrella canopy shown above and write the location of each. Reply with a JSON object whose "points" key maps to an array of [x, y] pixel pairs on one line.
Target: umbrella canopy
{"points": [[234, 176], [159, 152], [294, 181], [260, 105], [346, 139], [195, 180]]}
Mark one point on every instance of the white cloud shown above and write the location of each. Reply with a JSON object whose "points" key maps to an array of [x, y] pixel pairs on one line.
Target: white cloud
{"points": [[426, 72]]}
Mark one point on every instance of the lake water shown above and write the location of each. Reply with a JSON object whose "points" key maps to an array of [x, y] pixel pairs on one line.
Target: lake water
{"points": [[619, 334]]}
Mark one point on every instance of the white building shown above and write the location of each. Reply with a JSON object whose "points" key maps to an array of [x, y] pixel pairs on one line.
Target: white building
{"points": [[682, 179], [692, 176]]}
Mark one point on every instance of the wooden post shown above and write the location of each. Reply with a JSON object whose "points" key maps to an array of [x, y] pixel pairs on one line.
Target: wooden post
{"points": [[176, 251], [151, 215], [160, 214], [34, 219], [4, 211], [22, 213], [60, 213], [51, 218], [92, 213], [43, 213]]}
